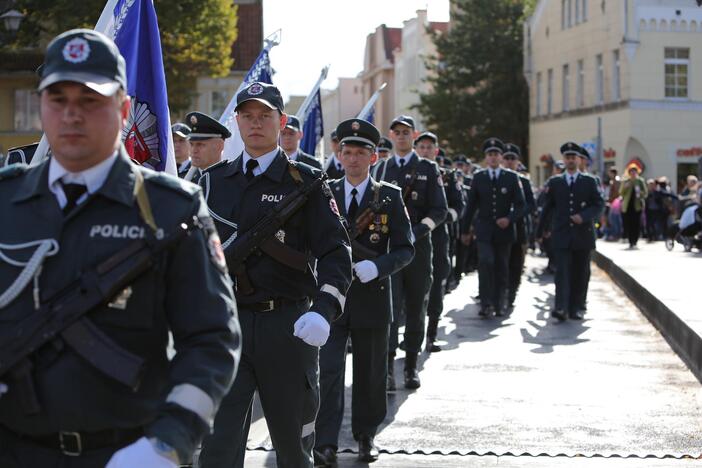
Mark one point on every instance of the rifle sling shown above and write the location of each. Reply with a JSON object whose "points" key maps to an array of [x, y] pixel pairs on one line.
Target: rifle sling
{"points": [[285, 254]]}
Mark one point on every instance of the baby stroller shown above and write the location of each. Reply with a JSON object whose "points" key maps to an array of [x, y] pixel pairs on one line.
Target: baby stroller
{"points": [[687, 231]]}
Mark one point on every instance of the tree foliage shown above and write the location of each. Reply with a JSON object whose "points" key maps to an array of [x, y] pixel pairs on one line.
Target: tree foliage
{"points": [[196, 36], [478, 87]]}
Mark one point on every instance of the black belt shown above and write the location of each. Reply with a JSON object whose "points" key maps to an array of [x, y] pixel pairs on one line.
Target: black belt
{"points": [[268, 306], [75, 443]]}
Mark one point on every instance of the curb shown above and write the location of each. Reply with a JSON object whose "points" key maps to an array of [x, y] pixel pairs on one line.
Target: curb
{"points": [[684, 341]]}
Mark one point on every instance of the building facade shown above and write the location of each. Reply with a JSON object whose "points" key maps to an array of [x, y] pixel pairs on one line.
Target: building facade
{"points": [[630, 63]]}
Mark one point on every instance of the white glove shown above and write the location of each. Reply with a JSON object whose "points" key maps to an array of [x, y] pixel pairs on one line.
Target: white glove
{"points": [[140, 453], [3, 388], [366, 271], [312, 328]]}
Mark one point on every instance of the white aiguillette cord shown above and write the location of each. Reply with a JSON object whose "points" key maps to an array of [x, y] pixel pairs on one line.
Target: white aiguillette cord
{"points": [[31, 268], [206, 181]]}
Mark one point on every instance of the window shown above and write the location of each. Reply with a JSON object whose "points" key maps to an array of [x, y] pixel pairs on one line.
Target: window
{"points": [[569, 13], [538, 94], [549, 92], [580, 93], [577, 12], [27, 110], [616, 78], [584, 7], [218, 104], [599, 82], [566, 88], [677, 63], [563, 14]]}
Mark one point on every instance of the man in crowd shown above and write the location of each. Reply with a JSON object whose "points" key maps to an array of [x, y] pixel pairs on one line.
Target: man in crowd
{"points": [[181, 147], [290, 138], [207, 143]]}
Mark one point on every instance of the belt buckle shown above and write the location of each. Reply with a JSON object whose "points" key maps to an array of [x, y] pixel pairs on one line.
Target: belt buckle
{"points": [[72, 449], [270, 305]]}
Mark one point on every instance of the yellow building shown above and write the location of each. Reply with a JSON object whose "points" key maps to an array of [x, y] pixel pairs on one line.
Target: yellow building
{"points": [[635, 64]]}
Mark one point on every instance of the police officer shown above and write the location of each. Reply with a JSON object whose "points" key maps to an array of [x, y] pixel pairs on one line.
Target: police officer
{"points": [[517, 255], [574, 202], [87, 204], [333, 166], [423, 194], [382, 245], [426, 146], [290, 138], [207, 143], [496, 194], [384, 151], [181, 147], [287, 295]]}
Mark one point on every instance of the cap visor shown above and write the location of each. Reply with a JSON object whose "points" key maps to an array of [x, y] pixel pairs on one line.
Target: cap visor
{"points": [[181, 134], [97, 83], [401, 122], [262, 101], [354, 140]]}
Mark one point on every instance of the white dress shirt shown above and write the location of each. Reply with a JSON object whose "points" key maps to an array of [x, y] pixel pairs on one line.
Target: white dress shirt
{"points": [[406, 158], [93, 178], [263, 161], [360, 189]]}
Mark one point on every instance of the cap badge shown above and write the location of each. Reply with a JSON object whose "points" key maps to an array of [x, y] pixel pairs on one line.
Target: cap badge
{"points": [[255, 89], [193, 120], [76, 50], [492, 142], [355, 125]]}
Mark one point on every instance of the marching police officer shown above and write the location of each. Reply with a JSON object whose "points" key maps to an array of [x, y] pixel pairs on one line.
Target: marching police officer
{"points": [[333, 166], [496, 194], [426, 146], [574, 202], [290, 138], [384, 151], [423, 194], [290, 285], [517, 254], [207, 143], [93, 384], [181, 147], [381, 245]]}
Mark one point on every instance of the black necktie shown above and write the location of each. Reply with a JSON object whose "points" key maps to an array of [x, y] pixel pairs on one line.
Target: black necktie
{"points": [[251, 164], [571, 179], [338, 166], [353, 206], [73, 192], [402, 163]]}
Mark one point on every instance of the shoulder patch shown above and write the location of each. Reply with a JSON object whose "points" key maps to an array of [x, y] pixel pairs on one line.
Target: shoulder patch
{"points": [[13, 170], [389, 185]]}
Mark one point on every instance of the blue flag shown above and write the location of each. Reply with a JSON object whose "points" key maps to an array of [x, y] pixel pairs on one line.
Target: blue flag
{"points": [[371, 115], [133, 25], [259, 71], [313, 128]]}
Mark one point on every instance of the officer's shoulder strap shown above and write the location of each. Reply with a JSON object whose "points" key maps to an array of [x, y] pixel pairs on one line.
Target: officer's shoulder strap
{"points": [[389, 185], [176, 184], [13, 170], [217, 165]]}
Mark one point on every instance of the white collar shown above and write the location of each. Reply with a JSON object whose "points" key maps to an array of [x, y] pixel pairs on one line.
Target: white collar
{"points": [[263, 161], [360, 189], [184, 165], [495, 171], [93, 178], [406, 158], [574, 175], [293, 156]]}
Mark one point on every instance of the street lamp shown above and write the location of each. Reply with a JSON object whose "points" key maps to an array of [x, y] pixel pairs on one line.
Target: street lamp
{"points": [[11, 20]]}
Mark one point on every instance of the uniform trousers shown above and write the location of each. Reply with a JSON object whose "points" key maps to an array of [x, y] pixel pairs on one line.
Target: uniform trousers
{"points": [[517, 256], [410, 293], [285, 372], [572, 276], [370, 369], [493, 265], [441, 264]]}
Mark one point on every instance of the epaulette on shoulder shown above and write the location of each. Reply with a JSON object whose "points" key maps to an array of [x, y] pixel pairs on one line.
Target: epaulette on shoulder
{"points": [[176, 184], [13, 170], [218, 165], [389, 185], [306, 170]]}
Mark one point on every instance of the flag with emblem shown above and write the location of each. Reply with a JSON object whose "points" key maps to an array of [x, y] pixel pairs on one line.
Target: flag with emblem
{"points": [[259, 71], [133, 25], [313, 128]]}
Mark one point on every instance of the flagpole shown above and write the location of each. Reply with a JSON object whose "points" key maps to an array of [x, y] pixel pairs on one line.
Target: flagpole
{"points": [[304, 107], [103, 25], [371, 102]]}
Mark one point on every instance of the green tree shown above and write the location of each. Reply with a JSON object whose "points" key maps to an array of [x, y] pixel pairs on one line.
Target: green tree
{"points": [[478, 87], [196, 36]]}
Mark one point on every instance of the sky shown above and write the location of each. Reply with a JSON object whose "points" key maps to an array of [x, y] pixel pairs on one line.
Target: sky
{"points": [[316, 33]]}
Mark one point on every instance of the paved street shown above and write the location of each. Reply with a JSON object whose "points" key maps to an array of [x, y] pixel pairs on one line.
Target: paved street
{"points": [[525, 391]]}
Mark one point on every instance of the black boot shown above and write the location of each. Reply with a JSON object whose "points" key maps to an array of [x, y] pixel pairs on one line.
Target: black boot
{"points": [[432, 326], [411, 374]]}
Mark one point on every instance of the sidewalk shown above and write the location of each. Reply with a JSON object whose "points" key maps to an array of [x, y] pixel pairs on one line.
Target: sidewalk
{"points": [[665, 286]]}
